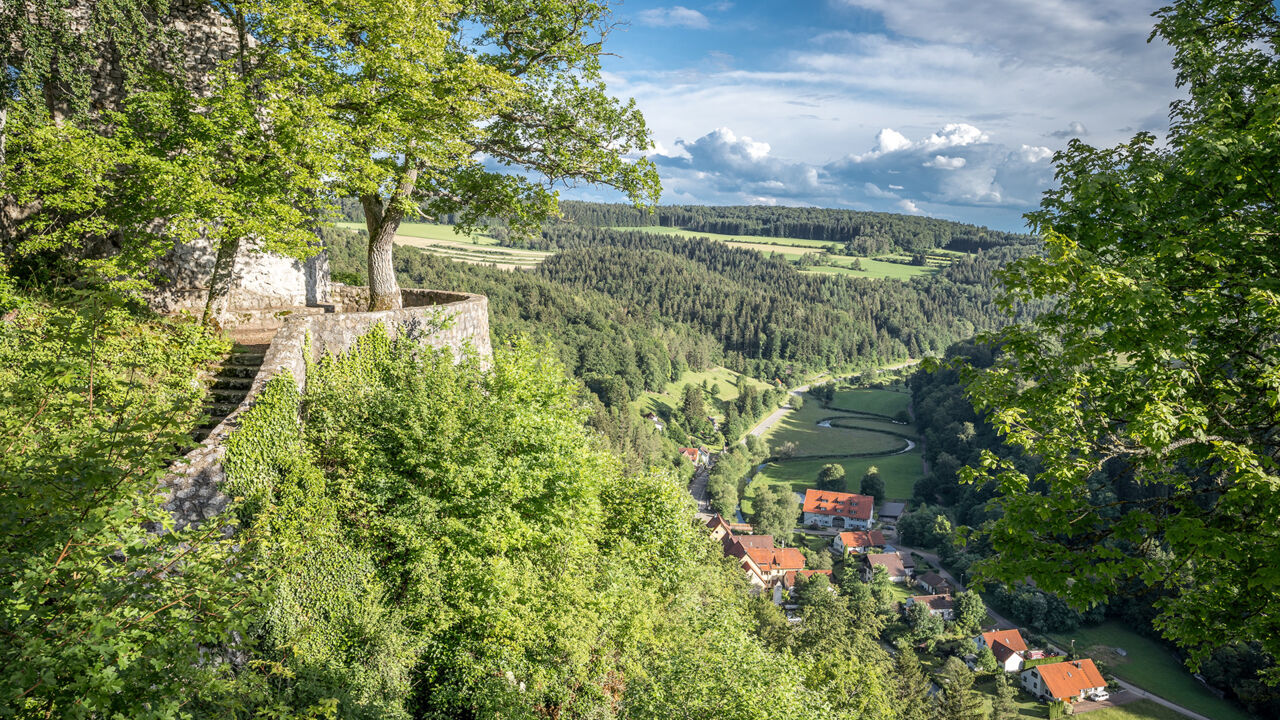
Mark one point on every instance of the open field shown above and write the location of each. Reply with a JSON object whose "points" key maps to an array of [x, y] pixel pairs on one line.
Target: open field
{"points": [[1027, 705], [477, 249], [873, 269], [1139, 710], [878, 402], [801, 427], [665, 402], [900, 473], [1149, 666]]}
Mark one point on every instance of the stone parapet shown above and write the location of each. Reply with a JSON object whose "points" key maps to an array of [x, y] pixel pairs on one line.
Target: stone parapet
{"points": [[191, 490]]}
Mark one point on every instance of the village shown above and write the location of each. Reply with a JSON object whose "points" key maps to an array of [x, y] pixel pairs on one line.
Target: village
{"points": [[933, 609]]}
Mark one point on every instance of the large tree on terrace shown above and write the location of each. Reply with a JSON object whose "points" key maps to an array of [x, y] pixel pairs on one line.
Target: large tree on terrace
{"points": [[1151, 389], [434, 99]]}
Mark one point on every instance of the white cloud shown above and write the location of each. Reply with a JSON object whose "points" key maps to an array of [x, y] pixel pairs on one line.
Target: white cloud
{"points": [[942, 162], [1074, 129], [909, 207], [676, 16], [1035, 153]]}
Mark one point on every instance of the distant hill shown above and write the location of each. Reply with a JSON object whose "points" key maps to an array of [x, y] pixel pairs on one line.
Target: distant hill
{"points": [[861, 233]]}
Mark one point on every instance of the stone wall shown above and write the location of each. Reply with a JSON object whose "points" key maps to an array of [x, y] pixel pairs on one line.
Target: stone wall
{"points": [[264, 285], [192, 492]]}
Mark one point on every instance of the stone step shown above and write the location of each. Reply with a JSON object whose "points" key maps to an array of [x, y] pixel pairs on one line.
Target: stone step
{"points": [[227, 395], [253, 359], [237, 372], [232, 382], [219, 410]]}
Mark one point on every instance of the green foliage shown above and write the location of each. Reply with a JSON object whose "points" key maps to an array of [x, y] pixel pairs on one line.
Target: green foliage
{"points": [[922, 624], [775, 512], [987, 661], [831, 477], [1159, 360], [107, 609], [957, 700], [447, 540], [970, 611], [872, 484], [1003, 706]]}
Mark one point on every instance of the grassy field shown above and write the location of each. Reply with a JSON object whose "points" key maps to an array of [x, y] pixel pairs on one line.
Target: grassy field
{"points": [[1027, 705], [879, 402], [1140, 710], [873, 269], [1149, 666], [900, 473], [665, 402], [477, 249], [801, 427]]}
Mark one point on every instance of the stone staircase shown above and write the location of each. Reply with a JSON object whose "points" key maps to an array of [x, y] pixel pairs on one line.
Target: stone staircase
{"points": [[230, 384]]}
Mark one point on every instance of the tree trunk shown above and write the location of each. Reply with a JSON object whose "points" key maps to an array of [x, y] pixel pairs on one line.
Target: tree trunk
{"points": [[224, 265], [384, 292]]}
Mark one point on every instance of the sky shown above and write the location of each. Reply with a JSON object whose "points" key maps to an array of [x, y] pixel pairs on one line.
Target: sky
{"points": [[932, 107]]}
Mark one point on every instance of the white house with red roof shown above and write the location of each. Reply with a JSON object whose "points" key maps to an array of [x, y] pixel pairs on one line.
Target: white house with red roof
{"points": [[1068, 681], [858, 541], [838, 510], [764, 564], [940, 605], [1007, 646]]}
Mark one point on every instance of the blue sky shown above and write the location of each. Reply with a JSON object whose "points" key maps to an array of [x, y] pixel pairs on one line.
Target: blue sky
{"points": [[935, 107]]}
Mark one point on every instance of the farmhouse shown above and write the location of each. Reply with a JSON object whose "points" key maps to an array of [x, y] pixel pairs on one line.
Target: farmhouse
{"points": [[838, 510], [1007, 646], [941, 605], [1068, 681], [934, 583], [858, 541], [891, 562], [764, 564], [697, 456]]}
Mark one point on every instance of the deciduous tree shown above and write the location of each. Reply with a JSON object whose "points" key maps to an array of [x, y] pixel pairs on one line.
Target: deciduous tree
{"points": [[1159, 359]]}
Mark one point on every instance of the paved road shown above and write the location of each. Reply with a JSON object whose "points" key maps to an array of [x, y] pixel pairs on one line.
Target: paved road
{"points": [[698, 487]]}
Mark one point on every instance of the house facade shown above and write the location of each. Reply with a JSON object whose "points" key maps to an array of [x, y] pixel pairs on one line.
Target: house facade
{"points": [[838, 510], [891, 562], [858, 541], [1068, 681], [940, 605], [1007, 646]]}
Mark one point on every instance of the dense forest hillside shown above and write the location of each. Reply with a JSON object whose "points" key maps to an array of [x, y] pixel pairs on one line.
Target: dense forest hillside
{"points": [[862, 233]]}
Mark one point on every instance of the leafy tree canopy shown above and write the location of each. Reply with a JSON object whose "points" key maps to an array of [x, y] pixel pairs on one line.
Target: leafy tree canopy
{"points": [[1159, 361]]}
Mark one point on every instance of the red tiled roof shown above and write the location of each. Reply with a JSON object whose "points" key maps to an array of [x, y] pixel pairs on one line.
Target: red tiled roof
{"points": [[1001, 651], [935, 602], [755, 541], [862, 538], [890, 561], [717, 521], [774, 559], [1066, 679], [691, 453], [789, 578], [1011, 638], [825, 502]]}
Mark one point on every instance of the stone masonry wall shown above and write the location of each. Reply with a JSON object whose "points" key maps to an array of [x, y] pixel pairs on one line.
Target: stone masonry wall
{"points": [[192, 491]]}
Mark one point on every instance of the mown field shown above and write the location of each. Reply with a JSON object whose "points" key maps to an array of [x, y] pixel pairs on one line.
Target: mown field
{"points": [[878, 402], [900, 473], [801, 427], [1149, 666], [794, 248], [1139, 710], [444, 241]]}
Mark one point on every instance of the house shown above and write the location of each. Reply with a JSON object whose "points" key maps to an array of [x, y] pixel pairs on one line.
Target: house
{"points": [[697, 456], [858, 541], [891, 562], [941, 605], [764, 564], [890, 512], [657, 421], [838, 510], [934, 584], [788, 581], [1008, 647], [1068, 681]]}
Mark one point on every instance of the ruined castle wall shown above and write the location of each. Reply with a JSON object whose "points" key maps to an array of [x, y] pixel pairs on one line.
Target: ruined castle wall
{"points": [[192, 491]]}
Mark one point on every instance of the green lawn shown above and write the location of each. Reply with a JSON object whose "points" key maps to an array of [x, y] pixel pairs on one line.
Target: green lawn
{"points": [[900, 473], [664, 403], [801, 427], [1140, 710], [878, 402], [1149, 666], [873, 269]]}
